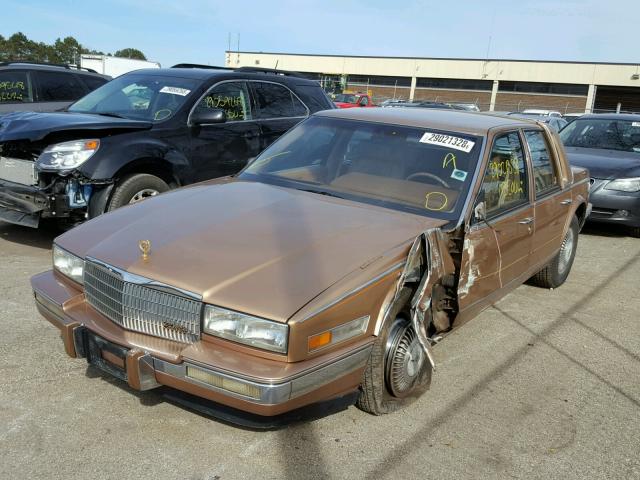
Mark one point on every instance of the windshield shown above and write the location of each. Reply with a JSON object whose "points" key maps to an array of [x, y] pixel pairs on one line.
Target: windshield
{"points": [[606, 134], [138, 97], [419, 170], [343, 97]]}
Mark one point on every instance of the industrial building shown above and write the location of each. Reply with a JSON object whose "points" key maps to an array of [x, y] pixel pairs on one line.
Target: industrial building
{"points": [[491, 84]]}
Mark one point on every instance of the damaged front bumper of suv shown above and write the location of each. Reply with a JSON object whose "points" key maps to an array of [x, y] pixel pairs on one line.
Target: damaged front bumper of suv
{"points": [[54, 197]]}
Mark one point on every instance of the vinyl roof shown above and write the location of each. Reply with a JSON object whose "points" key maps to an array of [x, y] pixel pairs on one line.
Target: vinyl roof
{"points": [[451, 120]]}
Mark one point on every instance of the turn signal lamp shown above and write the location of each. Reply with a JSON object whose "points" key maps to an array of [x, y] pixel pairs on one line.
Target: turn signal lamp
{"points": [[338, 334]]}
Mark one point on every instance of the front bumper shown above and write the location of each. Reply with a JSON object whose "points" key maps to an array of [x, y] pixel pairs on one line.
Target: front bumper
{"points": [[146, 362], [22, 204], [610, 206]]}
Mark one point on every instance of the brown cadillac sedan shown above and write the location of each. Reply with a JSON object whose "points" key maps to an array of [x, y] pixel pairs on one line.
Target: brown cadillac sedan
{"points": [[328, 268]]}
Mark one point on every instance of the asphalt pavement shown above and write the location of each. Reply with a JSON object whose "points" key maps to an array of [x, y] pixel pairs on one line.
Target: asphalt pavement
{"points": [[545, 384]]}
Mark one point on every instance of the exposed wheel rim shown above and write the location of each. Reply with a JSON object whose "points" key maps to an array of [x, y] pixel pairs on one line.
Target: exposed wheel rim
{"points": [[404, 359], [143, 194], [566, 251]]}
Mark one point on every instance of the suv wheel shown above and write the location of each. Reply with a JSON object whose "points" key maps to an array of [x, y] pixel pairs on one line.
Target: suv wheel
{"points": [[135, 188]]}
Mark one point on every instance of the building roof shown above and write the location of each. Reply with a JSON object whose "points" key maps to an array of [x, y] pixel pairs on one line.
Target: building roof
{"points": [[434, 58]]}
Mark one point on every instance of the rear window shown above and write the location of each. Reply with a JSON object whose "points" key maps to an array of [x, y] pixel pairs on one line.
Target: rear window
{"points": [[276, 101], [58, 87], [15, 87], [314, 97], [93, 82]]}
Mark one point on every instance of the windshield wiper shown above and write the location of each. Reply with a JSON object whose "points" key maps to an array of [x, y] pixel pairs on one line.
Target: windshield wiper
{"points": [[111, 114], [320, 192]]}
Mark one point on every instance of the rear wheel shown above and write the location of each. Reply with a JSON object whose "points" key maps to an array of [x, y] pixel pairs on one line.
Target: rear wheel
{"points": [[398, 370], [634, 232], [135, 188], [556, 272]]}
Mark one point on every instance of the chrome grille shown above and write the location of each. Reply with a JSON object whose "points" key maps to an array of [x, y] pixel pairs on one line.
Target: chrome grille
{"points": [[139, 307]]}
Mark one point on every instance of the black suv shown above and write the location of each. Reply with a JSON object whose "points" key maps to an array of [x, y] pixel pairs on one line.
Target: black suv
{"points": [[143, 133], [43, 87]]}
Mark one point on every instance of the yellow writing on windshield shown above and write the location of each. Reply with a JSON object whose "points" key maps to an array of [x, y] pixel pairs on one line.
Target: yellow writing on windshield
{"points": [[449, 159], [435, 201]]}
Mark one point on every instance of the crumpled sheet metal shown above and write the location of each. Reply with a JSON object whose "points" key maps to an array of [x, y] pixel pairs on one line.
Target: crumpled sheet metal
{"points": [[428, 261]]}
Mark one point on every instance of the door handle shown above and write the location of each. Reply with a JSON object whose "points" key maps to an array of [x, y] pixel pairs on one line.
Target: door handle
{"points": [[526, 221], [566, 202]]}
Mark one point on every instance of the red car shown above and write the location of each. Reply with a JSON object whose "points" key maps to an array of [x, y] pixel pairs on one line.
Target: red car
{"points": [[350, 100]]}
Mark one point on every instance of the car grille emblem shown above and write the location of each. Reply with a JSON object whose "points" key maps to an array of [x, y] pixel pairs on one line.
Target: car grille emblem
{"points": [[145, 248]]}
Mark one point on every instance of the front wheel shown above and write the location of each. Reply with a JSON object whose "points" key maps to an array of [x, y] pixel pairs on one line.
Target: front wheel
{"points": [[557, 270], [398, 370], [135, 188]]}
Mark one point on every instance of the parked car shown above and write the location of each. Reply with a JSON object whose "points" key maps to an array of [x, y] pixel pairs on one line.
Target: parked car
{"points": [[546, 113], [469, 107], [570, 117], [350, 100], [141, 134], [609, 146], [326, 269], [42, 87], [557, 123], [422, 104]]}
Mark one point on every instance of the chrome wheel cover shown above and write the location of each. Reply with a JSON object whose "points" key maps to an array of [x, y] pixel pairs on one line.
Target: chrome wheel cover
{"points": [[566, 251], [143, 194], [403, 360]]}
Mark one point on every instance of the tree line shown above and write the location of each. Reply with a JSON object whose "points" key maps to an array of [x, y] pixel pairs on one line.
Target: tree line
{"points": [[67, 50]]}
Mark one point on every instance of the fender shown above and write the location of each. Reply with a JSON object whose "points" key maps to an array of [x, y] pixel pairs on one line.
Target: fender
{"points": [[118, 152]]}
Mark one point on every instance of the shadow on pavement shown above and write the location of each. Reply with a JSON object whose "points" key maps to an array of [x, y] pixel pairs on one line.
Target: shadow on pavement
{"points": [[398, 455], [34, 237], [605, 230]]}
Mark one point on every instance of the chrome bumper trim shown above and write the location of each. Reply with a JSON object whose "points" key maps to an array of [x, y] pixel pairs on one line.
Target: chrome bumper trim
{"points": [[274, 393]]}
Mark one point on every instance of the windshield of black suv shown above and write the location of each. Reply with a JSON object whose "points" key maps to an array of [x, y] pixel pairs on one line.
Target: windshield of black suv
{"points": [[138, 97], [603, 133], [418, 170], [345, 98]]}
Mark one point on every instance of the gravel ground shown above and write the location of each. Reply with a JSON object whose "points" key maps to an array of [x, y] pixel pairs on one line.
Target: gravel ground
{"points": [[543, 385]]}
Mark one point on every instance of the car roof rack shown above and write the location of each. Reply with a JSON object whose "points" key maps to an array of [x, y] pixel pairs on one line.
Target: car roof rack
{"points": [[274, 71], [46, 64], [197, 65]]}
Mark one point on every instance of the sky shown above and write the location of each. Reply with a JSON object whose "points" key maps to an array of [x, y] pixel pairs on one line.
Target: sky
{"points": [[197, 31]]}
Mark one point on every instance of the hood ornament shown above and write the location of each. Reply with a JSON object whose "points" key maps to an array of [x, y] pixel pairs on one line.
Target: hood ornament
{"points": [[145, 248]]}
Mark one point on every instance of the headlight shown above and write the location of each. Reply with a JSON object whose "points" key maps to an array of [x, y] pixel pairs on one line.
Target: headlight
{"points": [[246, 329], [624, 185], [67, 155], [68, 264]]}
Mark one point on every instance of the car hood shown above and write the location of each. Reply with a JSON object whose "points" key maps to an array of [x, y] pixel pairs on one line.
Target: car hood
{"points": [[35, 126], [605, 164], [251, 247]]}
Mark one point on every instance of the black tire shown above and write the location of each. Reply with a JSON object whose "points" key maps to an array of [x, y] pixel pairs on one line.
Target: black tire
{"points": [[132, 185], [377, 393], [557, 270], [634, 232]]}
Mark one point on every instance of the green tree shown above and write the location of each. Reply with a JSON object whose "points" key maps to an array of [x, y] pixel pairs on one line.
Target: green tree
{"points": [[67, 50], [130, 53]]}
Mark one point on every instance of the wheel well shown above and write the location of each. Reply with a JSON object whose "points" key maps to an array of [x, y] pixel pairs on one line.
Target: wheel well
{"points": [[581, 213], [152, 166]]}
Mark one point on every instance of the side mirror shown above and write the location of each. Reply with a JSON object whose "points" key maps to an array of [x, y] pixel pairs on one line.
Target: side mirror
{"points": [[480, 212], [480, 208], [208, 116]]}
